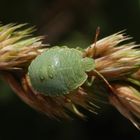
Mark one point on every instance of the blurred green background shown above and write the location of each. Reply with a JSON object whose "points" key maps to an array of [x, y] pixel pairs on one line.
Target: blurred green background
{"points": [[72, 23]]}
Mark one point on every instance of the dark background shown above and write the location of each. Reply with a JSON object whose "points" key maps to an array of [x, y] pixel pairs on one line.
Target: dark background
{"points": [[73, 23]]}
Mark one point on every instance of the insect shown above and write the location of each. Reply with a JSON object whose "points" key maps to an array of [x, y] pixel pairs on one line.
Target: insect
{"points": [[59, 70]]}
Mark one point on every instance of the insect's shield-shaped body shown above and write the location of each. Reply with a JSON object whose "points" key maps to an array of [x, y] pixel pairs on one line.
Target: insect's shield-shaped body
{"points": [[59, 70]]}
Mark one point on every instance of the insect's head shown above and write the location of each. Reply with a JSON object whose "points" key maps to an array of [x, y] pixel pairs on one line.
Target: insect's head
{"points": [[88, 64]]}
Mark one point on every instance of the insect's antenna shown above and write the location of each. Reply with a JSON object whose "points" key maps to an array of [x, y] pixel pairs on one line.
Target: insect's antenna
{"points": [[91, 51], [104, 79], [95, 40]]}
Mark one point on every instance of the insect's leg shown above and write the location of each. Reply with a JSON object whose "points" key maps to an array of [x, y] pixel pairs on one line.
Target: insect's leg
{"points": [[81, 92], [90, 81], [74, 108]]}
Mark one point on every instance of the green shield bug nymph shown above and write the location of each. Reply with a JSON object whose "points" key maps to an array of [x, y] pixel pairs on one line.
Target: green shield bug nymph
{"points": [[59, 70]]}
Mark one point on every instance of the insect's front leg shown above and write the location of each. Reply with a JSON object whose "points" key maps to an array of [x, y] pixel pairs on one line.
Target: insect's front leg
{"points": [[89, 81]]}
